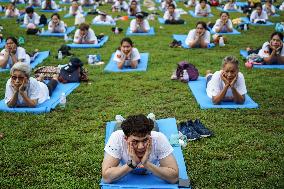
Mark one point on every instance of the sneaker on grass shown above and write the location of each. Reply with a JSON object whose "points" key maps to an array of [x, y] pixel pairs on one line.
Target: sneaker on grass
{"points": [[201, 129], [188, 131]]}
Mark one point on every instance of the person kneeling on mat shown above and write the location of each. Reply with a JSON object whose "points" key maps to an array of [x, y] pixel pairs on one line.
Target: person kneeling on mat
{"points": [[171, 16], [25, 91], [136, 146]]}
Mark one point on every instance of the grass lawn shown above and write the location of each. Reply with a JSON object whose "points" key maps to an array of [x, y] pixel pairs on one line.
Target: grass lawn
{"points": [[64, 148]]}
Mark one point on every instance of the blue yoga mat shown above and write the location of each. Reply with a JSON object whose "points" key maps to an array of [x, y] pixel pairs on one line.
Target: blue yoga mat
{"points": [[99, 45], [167, 127], [104, 24], [24, 26], [2, 44], [53, 11], [5, 1], [198, 89], [162, 21], [142, 66], [49, 34], [241, 4], [39, 59], [151, 32], [70, 15], [182, 38], [64, 3], [222, 10], [235, 32], [244, 54], [193, 15], [47, 105], [247, 21]]}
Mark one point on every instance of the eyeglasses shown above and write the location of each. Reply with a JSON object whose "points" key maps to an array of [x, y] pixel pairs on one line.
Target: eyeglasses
{"points": [[19, 78]]}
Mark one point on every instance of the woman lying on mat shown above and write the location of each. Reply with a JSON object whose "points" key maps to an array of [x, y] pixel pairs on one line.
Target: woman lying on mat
{"points": [[13, 53], [35, 3], [139, 148], [133, 8], [172, 16], [85, 35], [223, 24], [140, 24], [49, 5], [126, 55], [103, 18], [119, 5], [199, 37], [31, 17], [11, 11], [230, 6], [228, 84], [165, 4], [25, 91], [269, 8], [75, 8], [202, 9], [258, 15], [87, 2], [191, 3], [272, 52], [56, 25]]}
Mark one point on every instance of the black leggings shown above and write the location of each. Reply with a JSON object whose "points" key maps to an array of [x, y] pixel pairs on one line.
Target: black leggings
{"points": [[174, 21], [51, 85]]}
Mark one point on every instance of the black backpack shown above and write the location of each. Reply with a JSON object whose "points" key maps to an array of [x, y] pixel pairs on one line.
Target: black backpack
{"points": [[65, 50], [42, 20]]}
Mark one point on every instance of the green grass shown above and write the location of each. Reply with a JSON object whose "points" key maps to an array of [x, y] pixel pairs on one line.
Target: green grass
{"points": [[64, 148]]}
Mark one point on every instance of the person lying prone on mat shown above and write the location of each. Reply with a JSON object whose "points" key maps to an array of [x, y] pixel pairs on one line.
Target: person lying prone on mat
{"points": [[75, 8], [103, 18], [11, 11], [87, 2], [223, 24], [126, 55], [56, 25], [228, 84], [258, 15], [140, 24], [199, 37], [36, 3], [136, 146], [49, 5], [172, 16], [13, 53], [119, 5], [165, 4], [202, 9], [25, 91], [191, 3], [269, 8], [31, 17], [230, 6], [85, 35], [133, 8]]}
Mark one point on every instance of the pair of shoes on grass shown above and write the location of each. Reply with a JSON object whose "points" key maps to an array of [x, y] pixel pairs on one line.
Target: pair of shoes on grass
{"points": [[194, 130], [175, 43]]}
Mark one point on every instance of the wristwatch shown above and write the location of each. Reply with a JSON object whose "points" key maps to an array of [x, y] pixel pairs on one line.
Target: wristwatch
{"points": [[130, 164]]}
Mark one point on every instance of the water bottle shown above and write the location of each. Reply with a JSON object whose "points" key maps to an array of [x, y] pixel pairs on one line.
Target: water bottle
{"points": [[245, 27], [90, 59], [116, 31], [221, 42], [59, 56], [42, 30], [185, 75], [66, 38], [62, 102]]}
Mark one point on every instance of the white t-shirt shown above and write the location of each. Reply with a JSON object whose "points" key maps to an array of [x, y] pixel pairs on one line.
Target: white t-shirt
{"points": [[199, 10], [123, 5], [230, 6], [31, 2], [34, 20], [264, 51], [8, 12], [225, 28], [191, 3], [192, 36], [20, 54], [138, 9], [53, 5], [281, 6], [272, 9], [174, 16], [79, 10], [60, 28], [89, 37], [87, 2], [164, 5], [108, 20], [216, 85], [35, 90], [254, 17], [18, 1], [134, 26], [135, 55], [117, 147]]}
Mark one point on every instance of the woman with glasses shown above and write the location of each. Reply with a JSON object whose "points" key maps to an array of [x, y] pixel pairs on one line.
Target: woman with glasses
{"points": [[12, 54], [25, 91]]}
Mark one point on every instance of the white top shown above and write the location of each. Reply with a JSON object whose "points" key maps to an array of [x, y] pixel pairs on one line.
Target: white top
{"points": [[134, 25], [191, 3], [216, 85], [8, 12], [192, 36], [60, 28], [89, 37], [117, 147], [135, 55], [123, 5], [225, 28], [230, 6], [20, 54], [108, 20], [18, 1], [53, 5], [272, 9], [138, 9], [254, 17], [35, 90], [199, 10], [281, 6], [83, 2], [174, 16], [264, 51], [34, 20], [79, 10], [34, 2], [164, 5]]}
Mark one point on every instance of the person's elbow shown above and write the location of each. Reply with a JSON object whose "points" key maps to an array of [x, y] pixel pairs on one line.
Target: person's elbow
{"points": [[215, 101], [174, 178], [106, 177]]}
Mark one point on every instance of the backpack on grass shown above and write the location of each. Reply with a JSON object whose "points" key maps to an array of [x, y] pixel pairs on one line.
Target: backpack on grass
{"points": [[192, 71]]}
